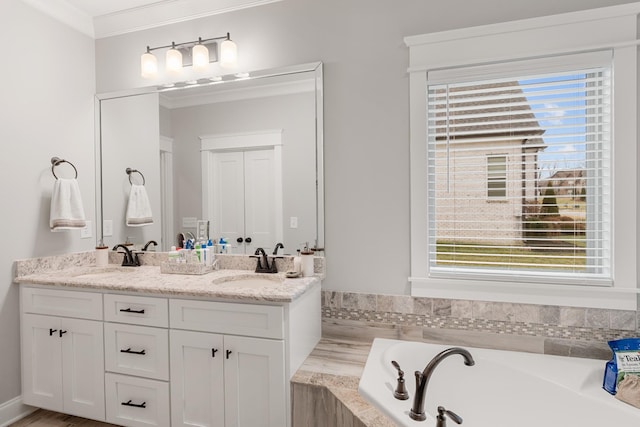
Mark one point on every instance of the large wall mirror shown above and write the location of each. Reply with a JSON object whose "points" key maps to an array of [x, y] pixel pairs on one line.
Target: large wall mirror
{"points": [[241, 154]]}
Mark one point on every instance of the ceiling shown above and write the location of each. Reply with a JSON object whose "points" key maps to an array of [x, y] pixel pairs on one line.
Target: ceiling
{"points": [[104, 18]]}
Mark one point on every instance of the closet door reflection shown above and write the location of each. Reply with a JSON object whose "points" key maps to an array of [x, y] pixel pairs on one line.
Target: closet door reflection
{"points": [[245, 196]]}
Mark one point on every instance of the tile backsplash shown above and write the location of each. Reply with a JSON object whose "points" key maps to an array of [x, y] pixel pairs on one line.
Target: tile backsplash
{"points": [[571, 331]]}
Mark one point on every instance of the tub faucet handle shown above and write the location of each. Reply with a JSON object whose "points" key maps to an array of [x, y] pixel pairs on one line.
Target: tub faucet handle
{"points": [[400, 392], [441, 420]]}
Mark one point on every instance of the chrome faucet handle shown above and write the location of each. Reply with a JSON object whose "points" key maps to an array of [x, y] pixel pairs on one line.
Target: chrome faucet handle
{"points": [[400, 392], [441, 420]]}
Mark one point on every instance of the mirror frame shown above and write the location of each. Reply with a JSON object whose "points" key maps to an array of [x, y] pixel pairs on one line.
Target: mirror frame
{"points": [[315, 67]]}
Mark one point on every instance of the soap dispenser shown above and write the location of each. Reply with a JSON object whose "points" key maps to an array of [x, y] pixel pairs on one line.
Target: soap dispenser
{"points": [[307, 261]]}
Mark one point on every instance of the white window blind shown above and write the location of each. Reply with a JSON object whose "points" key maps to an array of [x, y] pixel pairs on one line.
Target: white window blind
{"points": [[519, 176]]}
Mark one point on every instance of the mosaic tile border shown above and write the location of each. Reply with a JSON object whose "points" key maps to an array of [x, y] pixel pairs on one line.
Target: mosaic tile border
{"points": [[529, 320]]}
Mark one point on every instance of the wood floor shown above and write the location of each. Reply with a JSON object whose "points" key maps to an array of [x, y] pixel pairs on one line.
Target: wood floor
{"points": [[43, 418]]}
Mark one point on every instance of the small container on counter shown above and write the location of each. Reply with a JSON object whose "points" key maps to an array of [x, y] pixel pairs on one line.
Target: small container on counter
{"points": [[102, 256]]}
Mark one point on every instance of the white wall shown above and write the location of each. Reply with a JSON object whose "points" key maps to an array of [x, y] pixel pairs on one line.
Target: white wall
{"points": [[46, 110]]}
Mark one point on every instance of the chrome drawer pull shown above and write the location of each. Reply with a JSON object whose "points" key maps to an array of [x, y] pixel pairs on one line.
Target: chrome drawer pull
{"points": [[142, 352], [135, 405], [128, 310]]}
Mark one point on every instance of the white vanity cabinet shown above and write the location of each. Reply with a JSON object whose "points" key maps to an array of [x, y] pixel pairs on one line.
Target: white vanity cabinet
{"points": [[62, 351], [165, 361], [238, 379]]}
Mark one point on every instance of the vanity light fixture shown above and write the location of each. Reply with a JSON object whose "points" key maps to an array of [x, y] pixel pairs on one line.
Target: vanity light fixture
{"points": [[198, 53], [173, 59], [148, 64]]}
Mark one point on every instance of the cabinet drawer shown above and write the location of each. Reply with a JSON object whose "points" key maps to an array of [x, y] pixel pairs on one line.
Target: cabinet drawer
{"points": [[228, 318], [81, 305], [137, 350], [136, 402], [146, 311]]}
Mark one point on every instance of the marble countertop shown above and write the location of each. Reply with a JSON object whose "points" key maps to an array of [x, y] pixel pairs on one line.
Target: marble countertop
{"points": [[337, 364], [219, 284]]}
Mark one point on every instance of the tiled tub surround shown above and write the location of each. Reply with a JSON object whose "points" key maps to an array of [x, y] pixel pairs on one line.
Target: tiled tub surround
{"points": [[567, 331], [324, 391]]}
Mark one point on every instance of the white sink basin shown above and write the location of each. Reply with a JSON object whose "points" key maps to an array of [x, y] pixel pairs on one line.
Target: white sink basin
{"points": [[249, 281], [94, 271]]}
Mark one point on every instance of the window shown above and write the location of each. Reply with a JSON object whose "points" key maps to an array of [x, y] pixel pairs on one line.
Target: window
{"points": [[554, 129], [517, 196], [496, 177]]}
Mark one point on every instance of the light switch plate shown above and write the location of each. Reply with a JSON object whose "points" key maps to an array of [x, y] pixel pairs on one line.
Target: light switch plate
{"points": [[85, 232], [293, 222], [107, 228], [189, 222]]}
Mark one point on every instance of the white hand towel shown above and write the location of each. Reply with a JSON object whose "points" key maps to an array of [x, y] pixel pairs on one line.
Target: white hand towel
{"points": [[139, 208], [66, 205]]}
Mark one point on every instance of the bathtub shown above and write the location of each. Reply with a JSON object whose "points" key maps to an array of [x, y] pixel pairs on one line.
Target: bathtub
{"points": [[502, 389]]}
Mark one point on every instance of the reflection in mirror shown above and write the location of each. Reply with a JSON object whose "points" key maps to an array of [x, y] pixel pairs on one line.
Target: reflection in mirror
{"points": [[243, 156]]}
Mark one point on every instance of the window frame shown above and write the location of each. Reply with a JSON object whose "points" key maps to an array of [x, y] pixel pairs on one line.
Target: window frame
{"points": [[546, 38], [502, 179]]}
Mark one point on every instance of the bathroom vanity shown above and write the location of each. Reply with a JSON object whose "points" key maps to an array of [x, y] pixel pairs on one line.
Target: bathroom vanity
{"points": [[135, 347]]}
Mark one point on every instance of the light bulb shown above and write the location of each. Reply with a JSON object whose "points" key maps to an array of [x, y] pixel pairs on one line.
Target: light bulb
{"points": [[174, 60], [228, 54], [148, 65], [200, 55]]}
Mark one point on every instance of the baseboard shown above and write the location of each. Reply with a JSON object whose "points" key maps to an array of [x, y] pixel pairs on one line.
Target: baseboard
{"points": [[14, 410]]}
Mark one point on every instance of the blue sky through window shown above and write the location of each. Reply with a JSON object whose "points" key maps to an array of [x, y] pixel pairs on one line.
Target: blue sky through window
{"points": [[558, 103]]}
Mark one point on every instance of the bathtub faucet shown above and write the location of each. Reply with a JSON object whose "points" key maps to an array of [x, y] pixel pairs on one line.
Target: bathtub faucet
{"points": [[422, 379]]}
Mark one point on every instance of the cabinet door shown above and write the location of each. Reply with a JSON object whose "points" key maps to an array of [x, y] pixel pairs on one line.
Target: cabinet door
{"points": [[83, 368], [41, 362], [197, 387], [62, 365], [254, 382]]}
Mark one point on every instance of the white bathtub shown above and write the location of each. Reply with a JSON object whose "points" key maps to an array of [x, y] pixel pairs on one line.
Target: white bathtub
{"points": [[503, 389]]}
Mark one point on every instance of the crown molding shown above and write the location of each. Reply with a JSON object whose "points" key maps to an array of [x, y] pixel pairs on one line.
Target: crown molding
{"points": [[138, 18], [66, 13], [165, 13], [237, 94]]}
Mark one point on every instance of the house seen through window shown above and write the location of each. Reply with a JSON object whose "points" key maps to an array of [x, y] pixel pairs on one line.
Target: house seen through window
{"points": [[540, 145]]}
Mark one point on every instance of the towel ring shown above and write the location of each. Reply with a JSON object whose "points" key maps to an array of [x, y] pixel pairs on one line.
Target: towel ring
{"points": [[129, 171], [55, 161]]}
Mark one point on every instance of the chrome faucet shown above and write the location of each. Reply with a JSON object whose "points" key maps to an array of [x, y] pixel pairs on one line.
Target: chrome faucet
{"points": [[422, 379], [130, 259]]}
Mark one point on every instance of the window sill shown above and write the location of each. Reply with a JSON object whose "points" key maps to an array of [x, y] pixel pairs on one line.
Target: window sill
{"points": [[530, 293]]}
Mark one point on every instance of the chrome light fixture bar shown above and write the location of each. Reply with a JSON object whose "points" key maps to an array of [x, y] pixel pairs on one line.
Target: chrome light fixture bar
{"points": [[198, 54]]}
